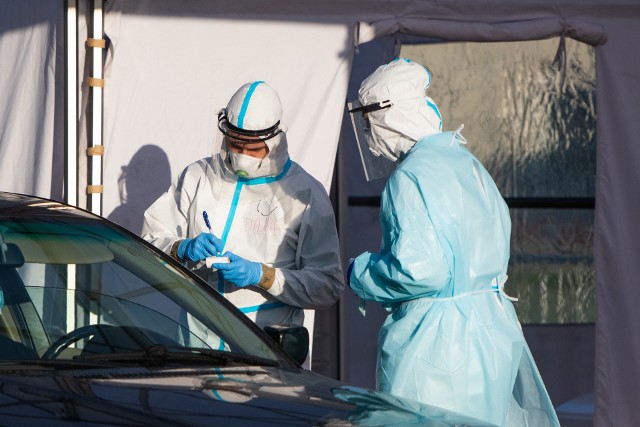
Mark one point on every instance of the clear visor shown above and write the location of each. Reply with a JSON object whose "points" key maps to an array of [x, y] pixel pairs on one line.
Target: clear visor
{"points": [[375, 166]]}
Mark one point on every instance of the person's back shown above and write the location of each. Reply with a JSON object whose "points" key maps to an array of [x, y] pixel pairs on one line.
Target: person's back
{"points": [[466, 208], [452, 338], [455, 313]]}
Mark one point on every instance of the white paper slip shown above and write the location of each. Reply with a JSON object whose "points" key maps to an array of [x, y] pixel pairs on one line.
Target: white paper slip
{"points": [[216, 260]]}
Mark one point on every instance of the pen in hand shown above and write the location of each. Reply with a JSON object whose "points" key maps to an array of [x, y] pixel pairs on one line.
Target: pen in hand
{"points": [[216, 259], [206, 221]]}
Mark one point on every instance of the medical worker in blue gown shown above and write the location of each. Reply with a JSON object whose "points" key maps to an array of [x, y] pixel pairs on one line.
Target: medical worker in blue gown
{"points": [[271, 218], [452, 338]]}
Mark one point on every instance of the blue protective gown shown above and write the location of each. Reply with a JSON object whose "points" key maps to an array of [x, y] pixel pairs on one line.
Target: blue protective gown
{"points": [[452, 338]]}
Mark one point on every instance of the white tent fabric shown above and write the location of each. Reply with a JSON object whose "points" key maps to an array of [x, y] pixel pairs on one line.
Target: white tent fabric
{"points": [[166, 77], [172, 64], [32, 102]]}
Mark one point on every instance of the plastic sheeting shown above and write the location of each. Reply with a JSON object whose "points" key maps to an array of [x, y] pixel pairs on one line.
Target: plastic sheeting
{"points": [[531, 122], [551, 269]]}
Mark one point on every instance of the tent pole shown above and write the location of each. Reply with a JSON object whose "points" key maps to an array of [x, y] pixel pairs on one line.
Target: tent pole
{"points": [[71, 139], [96, 82], [71, 105]]}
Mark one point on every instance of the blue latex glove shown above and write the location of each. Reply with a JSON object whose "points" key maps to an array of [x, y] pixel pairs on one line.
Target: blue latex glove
{"points": [[239, 271], [198, 248]]}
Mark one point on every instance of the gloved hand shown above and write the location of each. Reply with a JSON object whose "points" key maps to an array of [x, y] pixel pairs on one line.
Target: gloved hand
{"points": [[239, 271], [198, 248]]}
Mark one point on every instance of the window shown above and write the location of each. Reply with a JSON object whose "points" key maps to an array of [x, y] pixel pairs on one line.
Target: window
{"points": [[532, 125]]}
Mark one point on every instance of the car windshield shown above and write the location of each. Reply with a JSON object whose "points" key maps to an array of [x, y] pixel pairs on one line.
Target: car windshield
{"points": [[77, 288]]}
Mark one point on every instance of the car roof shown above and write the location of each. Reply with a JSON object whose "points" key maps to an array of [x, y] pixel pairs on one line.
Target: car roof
{"points": [[25, 205]]}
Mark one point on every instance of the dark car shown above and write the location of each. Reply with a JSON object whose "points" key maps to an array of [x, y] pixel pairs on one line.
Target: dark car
{"points": [[97, 327]]}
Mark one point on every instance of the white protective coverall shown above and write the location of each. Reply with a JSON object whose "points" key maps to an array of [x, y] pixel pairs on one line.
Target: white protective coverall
{"points": [[452, 338], [284, 220]]}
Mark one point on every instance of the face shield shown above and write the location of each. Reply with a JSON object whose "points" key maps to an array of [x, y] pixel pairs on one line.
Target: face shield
{"points": [[375, 165], [392, 115]]}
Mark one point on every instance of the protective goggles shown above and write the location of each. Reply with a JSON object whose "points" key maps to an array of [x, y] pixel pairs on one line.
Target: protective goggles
{"points": [[244, 135]]}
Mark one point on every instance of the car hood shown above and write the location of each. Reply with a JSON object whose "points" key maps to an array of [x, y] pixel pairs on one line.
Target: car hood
{"points": [[220, 397]]}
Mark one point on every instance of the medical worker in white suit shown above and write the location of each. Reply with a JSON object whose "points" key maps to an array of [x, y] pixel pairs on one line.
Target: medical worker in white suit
{"points": [[272, 219], [452, 338]]}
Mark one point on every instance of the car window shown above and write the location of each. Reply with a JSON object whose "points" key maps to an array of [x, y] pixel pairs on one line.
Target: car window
{"points": [[84, 286]]}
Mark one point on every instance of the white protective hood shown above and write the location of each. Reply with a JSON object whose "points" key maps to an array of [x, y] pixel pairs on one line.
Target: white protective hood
{"points": [[412, 114]]}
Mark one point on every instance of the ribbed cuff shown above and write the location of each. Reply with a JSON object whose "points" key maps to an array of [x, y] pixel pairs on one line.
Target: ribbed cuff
{"points": [[174, 249], [268, 276]]}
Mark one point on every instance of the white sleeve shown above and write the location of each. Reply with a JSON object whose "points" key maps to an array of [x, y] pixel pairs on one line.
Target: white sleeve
{"points": [[166, 220]]}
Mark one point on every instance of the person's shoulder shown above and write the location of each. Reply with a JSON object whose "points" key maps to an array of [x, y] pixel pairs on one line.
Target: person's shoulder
{"points": [[202, 163], [422, 161], [196, 169], [301, 176], [303, 180], [404, 172], [436, 148], [433, 141]]}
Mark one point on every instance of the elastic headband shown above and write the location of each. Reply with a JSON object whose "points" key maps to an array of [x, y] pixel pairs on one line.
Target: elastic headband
{"points": [[372, 107], [264, 134]]}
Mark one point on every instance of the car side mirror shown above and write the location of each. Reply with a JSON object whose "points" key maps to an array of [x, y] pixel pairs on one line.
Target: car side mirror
{"points": [[293, 339], [11, 256]]}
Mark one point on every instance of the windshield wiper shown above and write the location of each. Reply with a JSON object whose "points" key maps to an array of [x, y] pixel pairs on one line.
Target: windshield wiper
{"points": [[159, 355], [231, 357], [35, 365]]}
